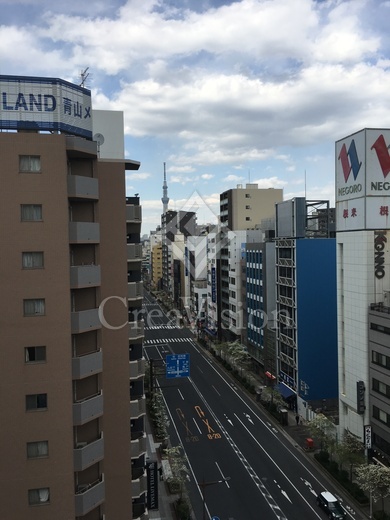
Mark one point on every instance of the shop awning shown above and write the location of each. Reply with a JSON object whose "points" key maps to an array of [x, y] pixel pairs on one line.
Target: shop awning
{"points": [[285, 390]]}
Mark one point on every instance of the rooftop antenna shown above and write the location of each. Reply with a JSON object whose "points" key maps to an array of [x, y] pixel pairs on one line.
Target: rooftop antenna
{"points": [[84, 75], [305, 183], [249, 175]]}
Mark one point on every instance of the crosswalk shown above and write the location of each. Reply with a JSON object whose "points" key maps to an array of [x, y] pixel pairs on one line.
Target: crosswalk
{"points": [[157, 327], [169, 340]]}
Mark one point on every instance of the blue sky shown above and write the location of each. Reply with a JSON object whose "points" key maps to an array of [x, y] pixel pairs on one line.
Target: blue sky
{"points": [[223, 92]]}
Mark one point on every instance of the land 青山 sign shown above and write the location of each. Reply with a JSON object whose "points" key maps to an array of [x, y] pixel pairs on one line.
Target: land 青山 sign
{"points": [[45, 104]]}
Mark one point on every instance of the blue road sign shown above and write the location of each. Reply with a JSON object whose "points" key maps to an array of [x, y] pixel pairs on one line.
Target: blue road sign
{"points": [[177, 365]]}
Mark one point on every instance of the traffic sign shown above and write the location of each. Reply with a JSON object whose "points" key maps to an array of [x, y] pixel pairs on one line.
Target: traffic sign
{"points": [[177, 365]]}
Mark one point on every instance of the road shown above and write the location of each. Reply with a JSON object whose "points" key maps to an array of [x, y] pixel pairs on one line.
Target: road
{"points": [[243, 465]]}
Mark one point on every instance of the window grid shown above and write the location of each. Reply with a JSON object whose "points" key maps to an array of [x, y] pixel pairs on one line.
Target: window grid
{"points": [[34, 354], [36, 401], [37, 449], [34, 307], [38, 496], [29, 164], [32, 260], [31, 212]]}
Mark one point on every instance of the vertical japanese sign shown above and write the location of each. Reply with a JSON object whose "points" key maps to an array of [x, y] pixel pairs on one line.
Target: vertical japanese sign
{"points": [[151, 473], [213, 285], [49, 104], [367, 436]]}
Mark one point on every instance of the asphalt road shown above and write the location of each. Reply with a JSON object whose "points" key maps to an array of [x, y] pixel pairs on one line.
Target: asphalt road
{"points": [[240, 463]]}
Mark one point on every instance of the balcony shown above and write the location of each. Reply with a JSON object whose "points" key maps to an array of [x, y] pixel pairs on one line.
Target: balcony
{"points": [[134, 252], [135, 290], [139, 486], [79, 147], [84, 276], [137, 368], [140, 512], [137, 407], [83, 321], [83, 187], [87, 409], [84, 232], [380, 307], [87, 454], [133, 214], [136, 330], [138, 447], [87, 365], [287, 340], [283, 280], [88, 497]]}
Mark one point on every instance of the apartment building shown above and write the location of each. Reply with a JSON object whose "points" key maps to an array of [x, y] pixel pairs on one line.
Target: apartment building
{"points": [[71, 361]]}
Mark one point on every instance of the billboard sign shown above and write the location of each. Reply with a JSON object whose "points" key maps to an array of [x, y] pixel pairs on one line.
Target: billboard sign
{"points": [[363, 180], [48, 104]]}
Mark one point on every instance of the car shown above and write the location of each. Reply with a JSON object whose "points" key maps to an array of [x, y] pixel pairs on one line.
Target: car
{"points": [[331, 505]]}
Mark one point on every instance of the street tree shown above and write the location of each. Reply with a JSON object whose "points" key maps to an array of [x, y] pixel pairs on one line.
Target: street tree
{"points": [[322, 429], [350, 451], [159, 416], [180, 471], [272, 395], [375, 479]]}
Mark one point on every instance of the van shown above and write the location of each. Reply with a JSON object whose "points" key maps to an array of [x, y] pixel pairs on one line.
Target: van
{"points": [[331, 505]]}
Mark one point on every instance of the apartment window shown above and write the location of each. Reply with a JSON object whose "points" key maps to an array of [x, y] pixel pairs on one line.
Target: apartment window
{"points": [[380, 359], [38, 496], [247, 207], [34, 354], [32, 260], [247, 218], [380, 415], [380, 387], [31, 212], [29, 163], [380, 328], [38, 449], [34, 307], [36, 401], [247, 195]]}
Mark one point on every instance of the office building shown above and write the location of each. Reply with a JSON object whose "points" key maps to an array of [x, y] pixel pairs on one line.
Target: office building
{"points": [[363, 284], [306, 317]]}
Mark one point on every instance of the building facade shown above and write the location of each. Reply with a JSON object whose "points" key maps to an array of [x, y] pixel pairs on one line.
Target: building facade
{"points": [[65, 426], [363, 265]]}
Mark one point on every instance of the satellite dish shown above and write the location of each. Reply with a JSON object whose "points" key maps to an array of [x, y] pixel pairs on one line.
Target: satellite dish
{"points": [[99, 138]]}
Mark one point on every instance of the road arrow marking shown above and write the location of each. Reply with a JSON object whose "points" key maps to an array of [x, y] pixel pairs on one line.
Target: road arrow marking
{"points": [[228, 420], [248, 417]]}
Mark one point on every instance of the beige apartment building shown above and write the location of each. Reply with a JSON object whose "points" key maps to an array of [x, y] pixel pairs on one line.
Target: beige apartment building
{"points": [[70, 349]]}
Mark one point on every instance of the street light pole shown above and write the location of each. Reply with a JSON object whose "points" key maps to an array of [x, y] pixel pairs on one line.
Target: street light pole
{"points": [[203, 486]]}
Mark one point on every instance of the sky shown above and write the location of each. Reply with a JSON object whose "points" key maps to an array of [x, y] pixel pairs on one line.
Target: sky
{"points": [[224, 92]]}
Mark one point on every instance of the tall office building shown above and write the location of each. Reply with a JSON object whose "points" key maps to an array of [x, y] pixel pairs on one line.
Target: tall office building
{"points": [[242, 208], [306, 334], [363, 285], [65, 334]]}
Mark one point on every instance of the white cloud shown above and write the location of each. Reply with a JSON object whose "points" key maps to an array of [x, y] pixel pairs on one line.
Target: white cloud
{"points": [[138, 176]]}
